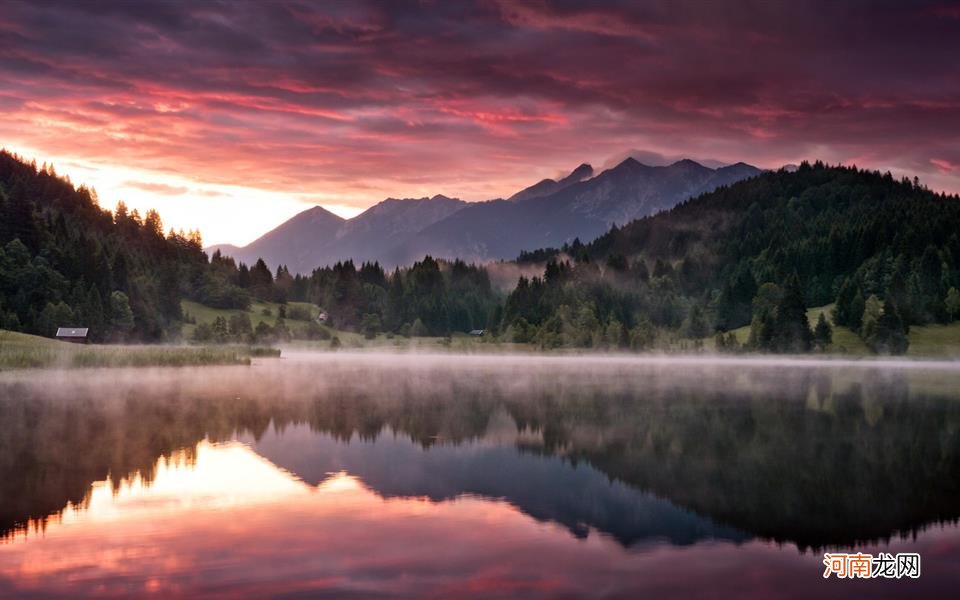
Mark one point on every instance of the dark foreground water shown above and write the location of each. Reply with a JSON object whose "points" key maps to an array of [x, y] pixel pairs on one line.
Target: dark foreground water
{"points": [[365, 476]]}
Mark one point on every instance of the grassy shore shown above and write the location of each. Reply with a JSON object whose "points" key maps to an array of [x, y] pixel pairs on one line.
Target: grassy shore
{"points": [[258, 312], [459, 343], [18, 351], [22, 351], [926, 341], [930, 341]]}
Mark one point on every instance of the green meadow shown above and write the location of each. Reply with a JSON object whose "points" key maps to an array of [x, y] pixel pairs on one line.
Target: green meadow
{"points": [[259, 312], [926, 341]]}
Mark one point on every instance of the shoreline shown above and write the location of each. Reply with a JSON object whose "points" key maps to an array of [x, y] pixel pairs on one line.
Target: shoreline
{"points": [[654, 359], [26, 352]]}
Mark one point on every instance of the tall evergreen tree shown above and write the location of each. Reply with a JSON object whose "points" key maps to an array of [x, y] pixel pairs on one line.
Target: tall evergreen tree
{"points": [[890, 334], [822, 333], [792, 328]]}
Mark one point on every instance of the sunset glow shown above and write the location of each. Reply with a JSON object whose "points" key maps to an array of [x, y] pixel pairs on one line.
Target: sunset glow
{"points": [[231, 524], [232, 122], [479, 299]]}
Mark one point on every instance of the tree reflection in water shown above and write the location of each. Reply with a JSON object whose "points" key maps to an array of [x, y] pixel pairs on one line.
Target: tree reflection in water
{"points": [[819, 456]]}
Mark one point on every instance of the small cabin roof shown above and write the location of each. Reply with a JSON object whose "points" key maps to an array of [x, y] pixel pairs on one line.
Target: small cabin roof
{"points": [[78, 332]]}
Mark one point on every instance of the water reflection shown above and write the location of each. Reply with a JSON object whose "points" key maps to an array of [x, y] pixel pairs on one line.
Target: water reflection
{"points": [[579, 497], [307, 465]]}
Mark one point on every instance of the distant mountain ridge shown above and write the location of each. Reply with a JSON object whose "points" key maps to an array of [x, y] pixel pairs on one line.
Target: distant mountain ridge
{"points": [[298, 242], [317, 237], [585, 210], [546, 187], [397, 232]]}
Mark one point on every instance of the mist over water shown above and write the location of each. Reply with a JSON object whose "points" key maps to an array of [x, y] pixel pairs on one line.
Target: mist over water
{"points": [[367, 473]]}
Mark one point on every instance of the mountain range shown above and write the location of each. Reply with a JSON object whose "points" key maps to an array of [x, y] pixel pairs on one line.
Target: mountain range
{"points": [[549, 213]]}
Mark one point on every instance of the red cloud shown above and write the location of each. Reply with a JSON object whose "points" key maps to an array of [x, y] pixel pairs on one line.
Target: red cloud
{"points": [[370, 100], [945, 165]]}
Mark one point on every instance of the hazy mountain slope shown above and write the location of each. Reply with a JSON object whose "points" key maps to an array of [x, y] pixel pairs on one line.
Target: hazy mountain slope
{"points": [[297, 243], [546, 187], [586, 209], [632, 190], [317, 237], [547, 213], [374, 233], [499, 229]]}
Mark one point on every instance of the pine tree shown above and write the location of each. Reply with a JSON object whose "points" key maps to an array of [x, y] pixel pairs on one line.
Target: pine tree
{"points": [[221, 332], [121, 315], [395, 315], [952, 304], [890, 334], [370, 325], [93, 314], [897, 290], [261, 280], [823, 333], [848, 309], [697, 326], [763, 323], [857, 306], [872, 311], [792, 329]]}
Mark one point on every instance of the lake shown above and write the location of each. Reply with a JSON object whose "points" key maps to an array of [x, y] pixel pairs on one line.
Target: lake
{"points": [[366, 475]]}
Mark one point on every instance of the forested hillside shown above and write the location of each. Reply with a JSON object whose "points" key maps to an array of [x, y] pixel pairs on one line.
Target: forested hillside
{"points": [[757, 252], [630, 190], [64, 261]]}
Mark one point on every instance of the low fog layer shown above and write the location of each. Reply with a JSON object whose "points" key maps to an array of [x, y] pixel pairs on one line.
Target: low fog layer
{"points": [[812, 452], [301, 371]]}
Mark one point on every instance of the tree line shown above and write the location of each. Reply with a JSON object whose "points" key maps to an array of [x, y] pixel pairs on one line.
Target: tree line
{"points": [[431, 297]]}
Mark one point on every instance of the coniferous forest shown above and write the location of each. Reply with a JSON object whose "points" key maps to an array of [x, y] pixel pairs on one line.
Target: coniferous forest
{"points": [[758, 253], [884, 252]]}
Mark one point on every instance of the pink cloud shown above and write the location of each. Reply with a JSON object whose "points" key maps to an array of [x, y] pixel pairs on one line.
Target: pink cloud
{"points": [[372, 100], [945, 165]]}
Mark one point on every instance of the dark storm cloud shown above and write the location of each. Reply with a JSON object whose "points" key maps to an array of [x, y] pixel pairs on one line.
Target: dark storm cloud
{"points": [[477, 98]]}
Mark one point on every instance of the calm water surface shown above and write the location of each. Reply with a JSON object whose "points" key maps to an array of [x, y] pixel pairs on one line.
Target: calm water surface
{"points": [[418, 476]]}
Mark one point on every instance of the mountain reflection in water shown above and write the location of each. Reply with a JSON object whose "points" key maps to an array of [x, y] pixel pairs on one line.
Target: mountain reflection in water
{"points": [[369, 474]]}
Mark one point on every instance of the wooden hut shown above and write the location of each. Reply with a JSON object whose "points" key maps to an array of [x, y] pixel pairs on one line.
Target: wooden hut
{"points": [[76, 335]]}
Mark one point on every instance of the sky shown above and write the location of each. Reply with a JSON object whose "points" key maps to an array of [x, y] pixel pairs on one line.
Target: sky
{"points": [[231, 117]]}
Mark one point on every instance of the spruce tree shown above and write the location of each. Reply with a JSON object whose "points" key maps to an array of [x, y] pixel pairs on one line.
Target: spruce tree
{"points": [[823, 333], [791, 327], [872, 311], [952, 304], [890, 334]]}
